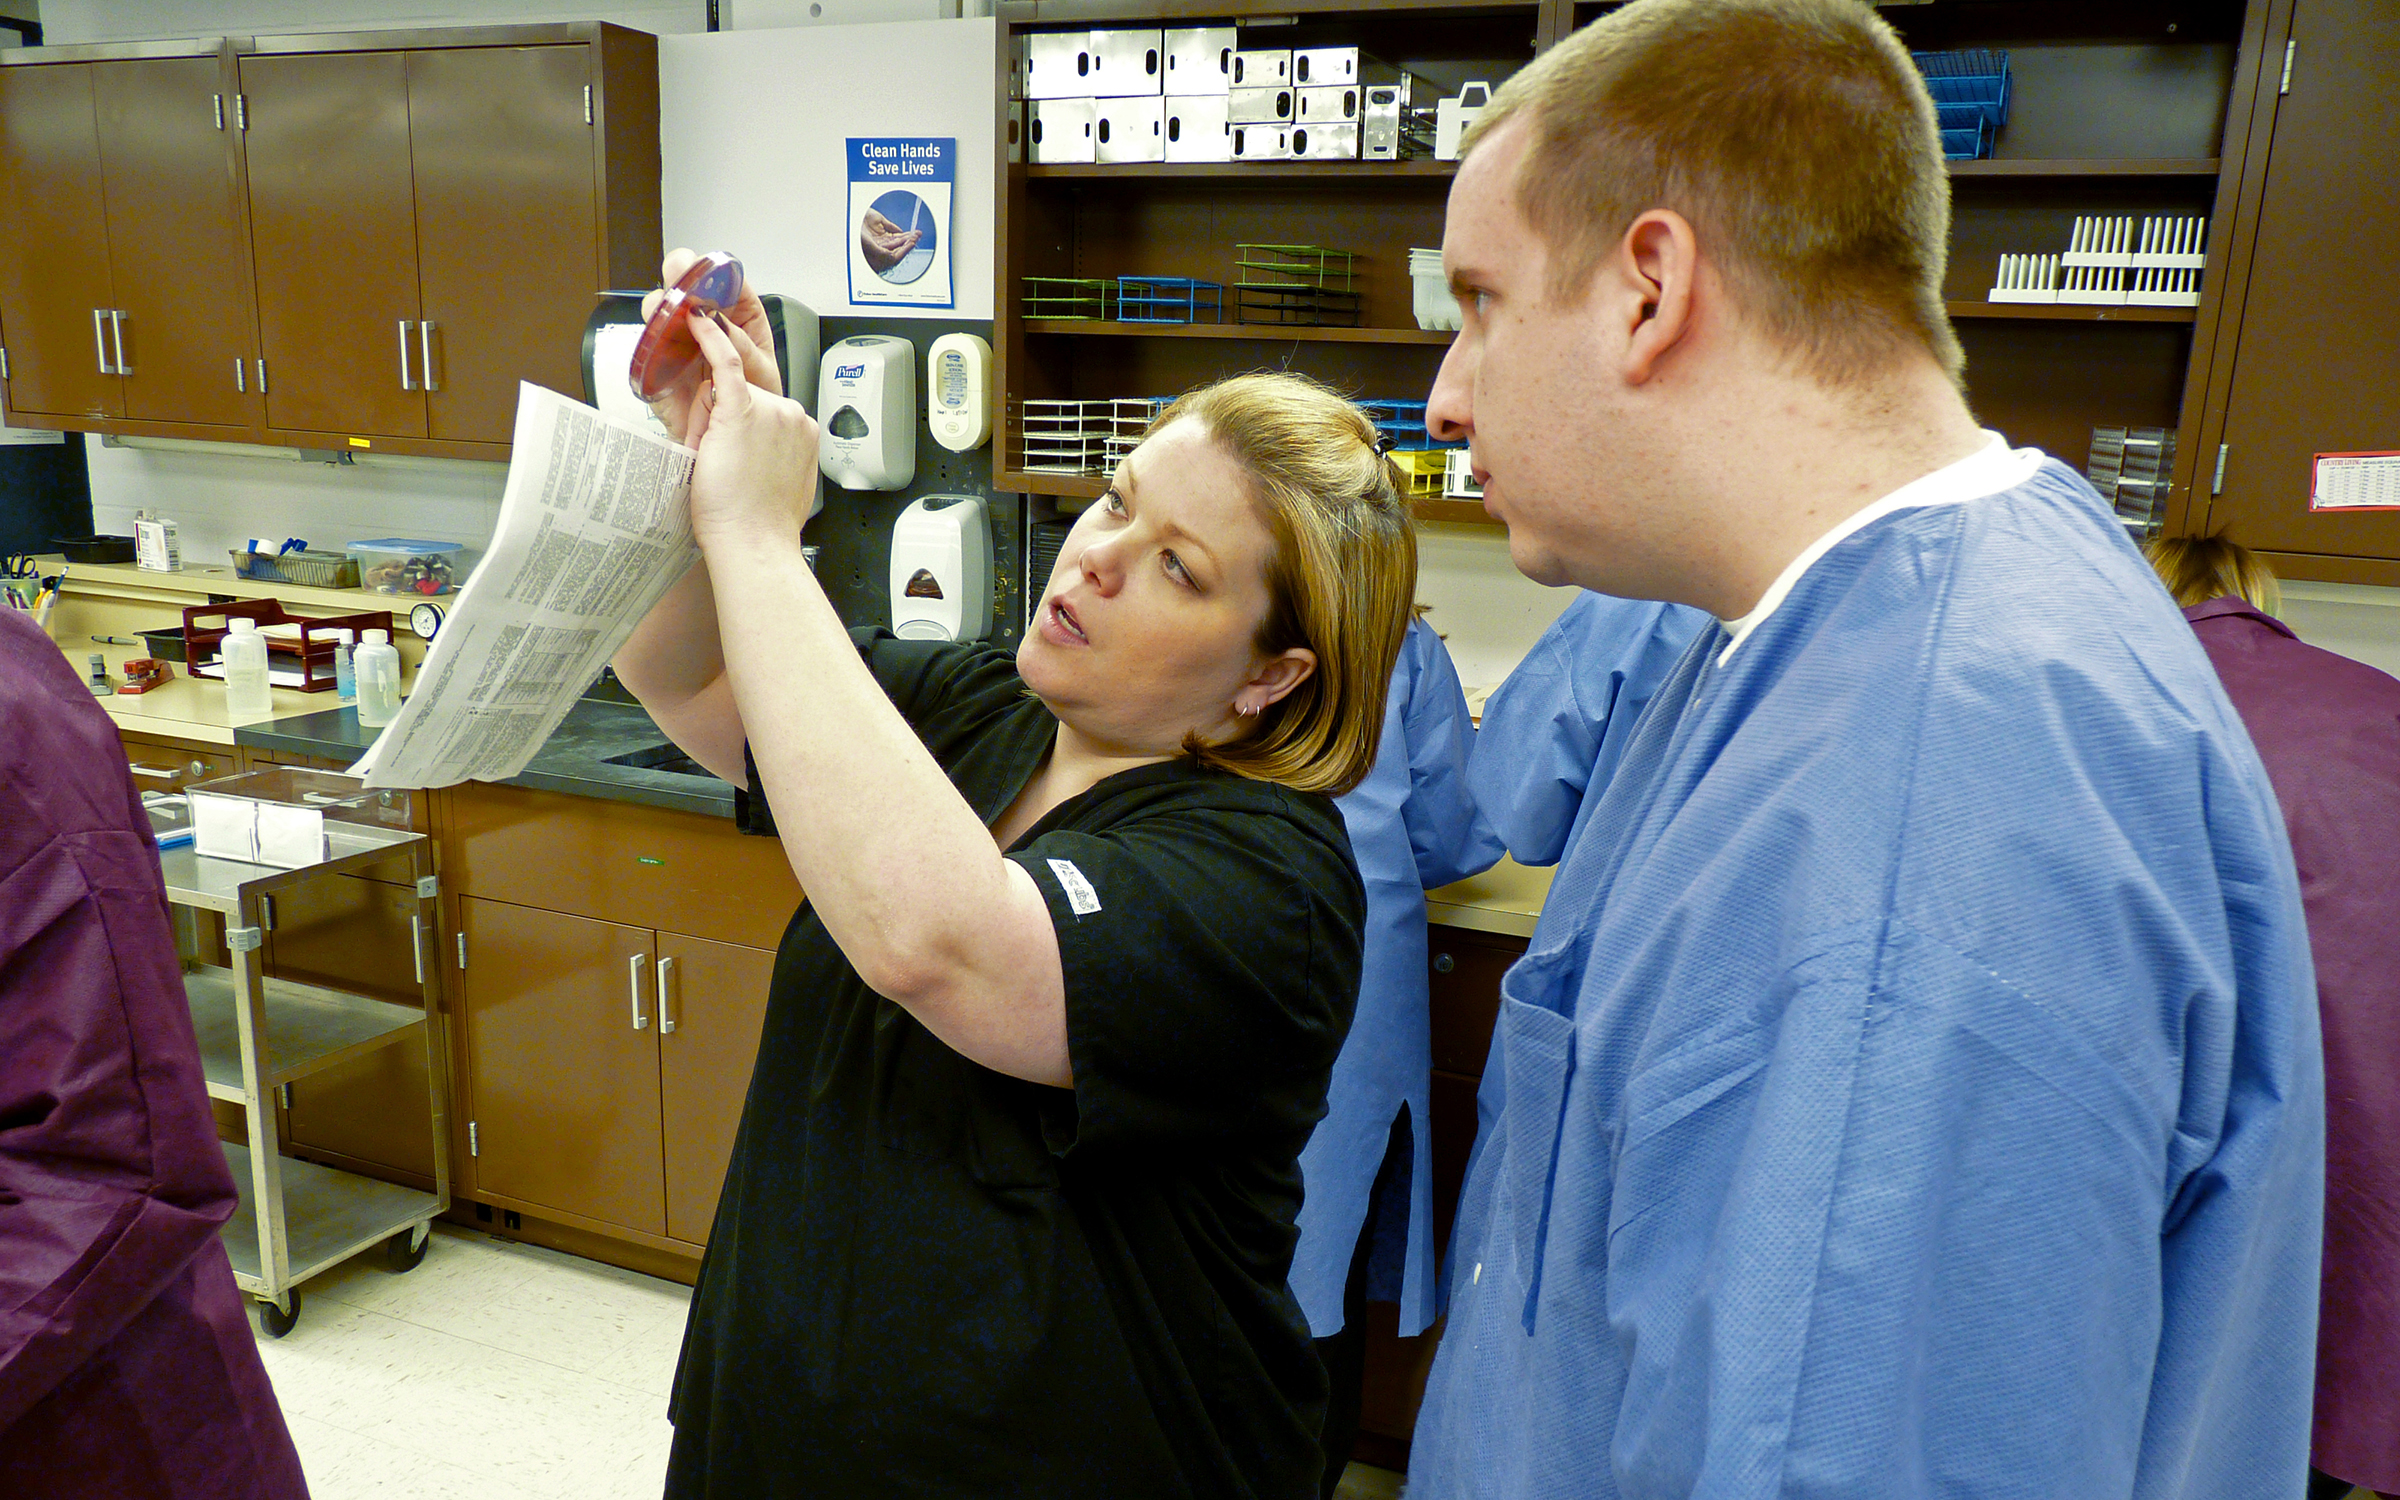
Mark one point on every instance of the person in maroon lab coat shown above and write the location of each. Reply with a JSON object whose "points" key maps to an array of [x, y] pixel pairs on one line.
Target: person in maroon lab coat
{"points": [[127, 1367], [2328, 729]]}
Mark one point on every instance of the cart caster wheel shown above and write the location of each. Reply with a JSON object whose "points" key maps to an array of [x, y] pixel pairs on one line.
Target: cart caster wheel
{"points": [[405, 1251], [274, 1322]]}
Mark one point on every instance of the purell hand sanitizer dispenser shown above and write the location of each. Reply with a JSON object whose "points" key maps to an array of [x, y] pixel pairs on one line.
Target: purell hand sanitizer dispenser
{"points": [[942, 570], [867, 406]]}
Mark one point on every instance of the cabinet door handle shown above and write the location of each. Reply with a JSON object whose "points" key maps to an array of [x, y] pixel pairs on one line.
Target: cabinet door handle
{"points": [[262, 377], [666, 996], [425, 355], [408, 382], [635, 967], [155, 773], [100, 337], [116, 335], [220, 105], [237, 375], [416, 944]]}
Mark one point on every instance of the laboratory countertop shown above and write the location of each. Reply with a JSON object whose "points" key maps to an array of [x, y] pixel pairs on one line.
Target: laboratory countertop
{"points": [[576, 759], [1507, 898]]}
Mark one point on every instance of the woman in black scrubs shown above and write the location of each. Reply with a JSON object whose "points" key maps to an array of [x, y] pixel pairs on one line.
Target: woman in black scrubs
{"points": [[1011, 1208]]}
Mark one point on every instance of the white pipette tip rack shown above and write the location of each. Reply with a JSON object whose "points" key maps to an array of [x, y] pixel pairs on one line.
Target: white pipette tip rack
{"points": [[2102, 267]]}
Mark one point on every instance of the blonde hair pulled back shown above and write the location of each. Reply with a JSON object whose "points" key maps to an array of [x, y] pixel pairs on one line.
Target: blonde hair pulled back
{"points": [[1340, 582]]}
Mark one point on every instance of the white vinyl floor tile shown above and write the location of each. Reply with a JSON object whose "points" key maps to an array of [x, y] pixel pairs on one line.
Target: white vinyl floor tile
{"points": [[493, 1370], [497, 1371]]}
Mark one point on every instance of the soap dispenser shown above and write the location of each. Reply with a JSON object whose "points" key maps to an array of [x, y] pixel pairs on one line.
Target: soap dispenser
{"points": [[942, 570]]}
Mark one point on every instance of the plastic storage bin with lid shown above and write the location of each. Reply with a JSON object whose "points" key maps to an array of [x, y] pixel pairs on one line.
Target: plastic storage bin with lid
{"points": [[410, 565]]}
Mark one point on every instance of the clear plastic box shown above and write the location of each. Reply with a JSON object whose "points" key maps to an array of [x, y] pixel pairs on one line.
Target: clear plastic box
{"points": [[409, 565]]}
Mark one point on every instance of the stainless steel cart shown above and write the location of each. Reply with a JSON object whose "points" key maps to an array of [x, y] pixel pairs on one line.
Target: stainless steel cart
{"points": [[258, 1033]]}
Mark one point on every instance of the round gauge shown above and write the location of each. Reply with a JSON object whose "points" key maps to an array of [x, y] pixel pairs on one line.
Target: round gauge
{"points": [[425, 619]]}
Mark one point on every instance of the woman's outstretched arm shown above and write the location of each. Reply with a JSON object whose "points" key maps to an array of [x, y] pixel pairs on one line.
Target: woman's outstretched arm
{"points": [[674, 661], [903, 873]]}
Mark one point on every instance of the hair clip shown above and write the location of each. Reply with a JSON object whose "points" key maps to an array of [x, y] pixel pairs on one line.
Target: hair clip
{"points": [[1383, 442]]}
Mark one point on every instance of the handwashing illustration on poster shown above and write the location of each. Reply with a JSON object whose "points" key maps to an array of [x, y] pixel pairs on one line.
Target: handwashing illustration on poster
{"points": [[898, 226]]}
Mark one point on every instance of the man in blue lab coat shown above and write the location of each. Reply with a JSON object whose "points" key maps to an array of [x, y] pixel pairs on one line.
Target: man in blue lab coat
{"points": [[1913, 1085], [1366, 1217], [1553, 733]]}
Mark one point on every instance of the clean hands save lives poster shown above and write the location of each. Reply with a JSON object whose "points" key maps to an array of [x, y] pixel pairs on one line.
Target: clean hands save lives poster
{"points": [[898, 225]]}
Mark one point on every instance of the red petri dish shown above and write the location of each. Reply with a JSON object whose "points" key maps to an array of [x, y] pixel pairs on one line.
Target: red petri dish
{"points": [[667, 354]]}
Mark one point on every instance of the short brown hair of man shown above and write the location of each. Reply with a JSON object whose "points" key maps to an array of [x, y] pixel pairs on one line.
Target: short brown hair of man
{"points": [[1797, 138], [1340, 583]]}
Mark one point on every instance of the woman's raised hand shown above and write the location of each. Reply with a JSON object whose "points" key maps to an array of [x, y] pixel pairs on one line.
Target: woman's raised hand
{"points": [[747, 314], [757, 475]]}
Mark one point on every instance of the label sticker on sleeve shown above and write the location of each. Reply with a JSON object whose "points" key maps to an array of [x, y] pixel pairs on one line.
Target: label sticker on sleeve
{"points": [[1081, 898]]}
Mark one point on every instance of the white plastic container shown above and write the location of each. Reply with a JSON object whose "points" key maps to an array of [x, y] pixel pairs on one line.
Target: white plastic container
{"points": [[243, 654], [1451, 117], [377, 667], [1435, 306]]}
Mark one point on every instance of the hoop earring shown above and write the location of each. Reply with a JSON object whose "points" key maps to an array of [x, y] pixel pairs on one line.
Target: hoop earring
{"points": [[1246, 710]]}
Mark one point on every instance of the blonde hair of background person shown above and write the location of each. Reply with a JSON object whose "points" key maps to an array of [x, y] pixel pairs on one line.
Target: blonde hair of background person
{"points": [[1837, 255], [2197, 569], [1345, 547]]}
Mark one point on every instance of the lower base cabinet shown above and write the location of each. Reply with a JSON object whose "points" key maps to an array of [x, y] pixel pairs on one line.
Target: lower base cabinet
{"points": [[606, 1064]]}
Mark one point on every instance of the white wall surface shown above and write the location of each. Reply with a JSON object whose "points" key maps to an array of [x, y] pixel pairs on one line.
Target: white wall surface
{"points": [[2359, 622], [753, 132], [1486, 612]]}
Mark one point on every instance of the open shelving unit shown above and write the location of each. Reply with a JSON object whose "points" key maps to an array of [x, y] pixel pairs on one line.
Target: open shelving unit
{"points": [[2122, 107], [258, 1033]]}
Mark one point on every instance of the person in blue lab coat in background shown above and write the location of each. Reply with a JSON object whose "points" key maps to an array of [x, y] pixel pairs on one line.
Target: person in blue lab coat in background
{"points": [[1366, 1215], [1912, 1087], [1553, 732]]}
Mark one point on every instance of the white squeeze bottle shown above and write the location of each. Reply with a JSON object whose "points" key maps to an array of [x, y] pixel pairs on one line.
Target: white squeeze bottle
{"points": [[376, 666], [345, 680], [243, 654]]}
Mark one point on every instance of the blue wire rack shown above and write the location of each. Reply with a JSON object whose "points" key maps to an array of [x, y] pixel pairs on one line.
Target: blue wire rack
{"points": [[1975, 75], [1169, 299], [1404, 423]]}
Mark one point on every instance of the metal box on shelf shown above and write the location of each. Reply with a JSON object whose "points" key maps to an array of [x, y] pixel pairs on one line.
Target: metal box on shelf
{"points": [[1379, 120], [1200, 59], [1195, 128], [1259, 142], [1128, 61], [1130, 129], [1058, 65], [1266, 105], [1262, 66], [1314, 67], [1325, 142], [1326, 106], [1061, 130]]}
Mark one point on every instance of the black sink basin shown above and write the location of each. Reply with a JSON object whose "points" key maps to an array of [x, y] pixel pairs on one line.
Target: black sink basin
{"points": [[661, 758]]}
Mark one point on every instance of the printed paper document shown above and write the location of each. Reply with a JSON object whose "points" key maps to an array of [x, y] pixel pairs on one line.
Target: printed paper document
{"points": [[595, 524]]}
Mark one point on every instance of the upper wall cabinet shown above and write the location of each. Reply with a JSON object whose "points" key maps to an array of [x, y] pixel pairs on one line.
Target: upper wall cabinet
{"points": [[124, 260], [407, 225], [2310, 355]]}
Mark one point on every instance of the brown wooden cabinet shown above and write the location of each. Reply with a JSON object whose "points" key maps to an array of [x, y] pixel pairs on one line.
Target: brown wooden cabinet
{"points": [[2310, 359], [607, 1065], [124, 266], [712, 1000], [614, 976], [563, 1077], [332, 216], [357, 240]]}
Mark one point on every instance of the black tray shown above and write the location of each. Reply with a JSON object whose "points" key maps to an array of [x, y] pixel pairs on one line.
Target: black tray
{"points": [[95, 549]]}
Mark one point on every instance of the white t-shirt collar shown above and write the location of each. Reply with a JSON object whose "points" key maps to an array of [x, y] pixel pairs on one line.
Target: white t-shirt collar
{"points": [[1990, 469]]}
